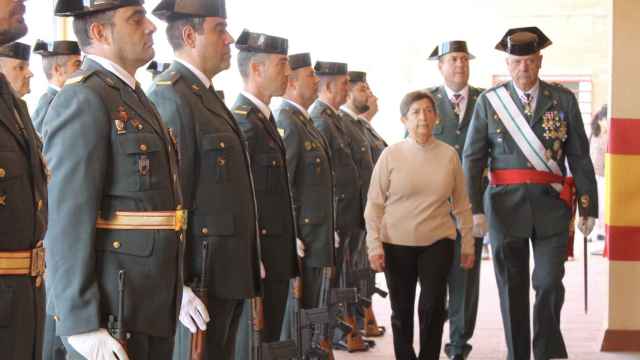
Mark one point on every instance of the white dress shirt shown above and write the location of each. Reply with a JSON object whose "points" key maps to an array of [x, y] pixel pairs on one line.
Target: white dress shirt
{"points": [[115, 69], [202, 77], [262, 106]]}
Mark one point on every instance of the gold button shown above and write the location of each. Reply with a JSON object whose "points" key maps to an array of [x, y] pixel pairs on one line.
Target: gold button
{"points": [[273, 163], [306, 221], [56, 318], [498, 130], [362, 149], [222, 144], [181, 237], [318, 160], [40, 204], [264, 231], [3, 173], [140, 126], [143, 147], [220, 161], [205, 231], [457, 132], [116, 244]]}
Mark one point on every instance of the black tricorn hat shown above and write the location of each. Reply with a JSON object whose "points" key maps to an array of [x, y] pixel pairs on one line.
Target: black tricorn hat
{"points": [[16, 50], [298, 61], [449, 47], [262, 43], [330, 68], [169, 10], [156, 68], [56, 48], [357, 76], [523, 41], [85, 7]]}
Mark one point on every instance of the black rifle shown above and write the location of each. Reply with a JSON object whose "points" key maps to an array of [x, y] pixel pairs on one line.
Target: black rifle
{"points": [[304, 321], [115, 325]]}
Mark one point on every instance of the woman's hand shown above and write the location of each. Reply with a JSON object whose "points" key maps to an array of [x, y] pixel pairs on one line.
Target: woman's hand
{"points": [[466, 261], [377, 262]]}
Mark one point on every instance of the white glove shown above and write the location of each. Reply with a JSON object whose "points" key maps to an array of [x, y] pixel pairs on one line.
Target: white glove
{"points": [[192, 311], [300, 248], [336, 240], [97, 345], [585, 225], [263, 271], [479, 226]]}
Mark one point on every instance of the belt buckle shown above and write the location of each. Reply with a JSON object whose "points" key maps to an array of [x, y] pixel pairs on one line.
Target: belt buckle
{"points": [[181, 220], [37, 263]]}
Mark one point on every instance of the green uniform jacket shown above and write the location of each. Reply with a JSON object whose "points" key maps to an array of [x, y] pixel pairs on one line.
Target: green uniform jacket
{"points": [[23, 221], [311, 182], [41, 110], [97, 170], [521, 210], [361, 152], [275, 209], [347, 186], [216, 184], [449, 129], [375, 140]]}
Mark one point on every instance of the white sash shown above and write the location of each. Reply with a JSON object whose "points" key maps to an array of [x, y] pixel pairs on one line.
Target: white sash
{"points": [[521, 132]]}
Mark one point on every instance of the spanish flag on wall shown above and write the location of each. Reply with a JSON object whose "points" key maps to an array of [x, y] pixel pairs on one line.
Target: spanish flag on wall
{"points": [[622, 194]]}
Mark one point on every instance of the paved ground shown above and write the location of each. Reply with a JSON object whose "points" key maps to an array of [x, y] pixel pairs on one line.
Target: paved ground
{"points": [[583, 333]]}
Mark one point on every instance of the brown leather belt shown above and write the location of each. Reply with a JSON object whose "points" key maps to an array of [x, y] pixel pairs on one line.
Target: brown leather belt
{"points": [[145, 220], [26, 262]]}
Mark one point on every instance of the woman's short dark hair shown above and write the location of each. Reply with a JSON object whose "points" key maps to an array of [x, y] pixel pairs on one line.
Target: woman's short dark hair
{"points": [[413, 97]]}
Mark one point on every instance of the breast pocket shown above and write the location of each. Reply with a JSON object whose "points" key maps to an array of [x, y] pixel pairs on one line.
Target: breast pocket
{"points": [[502, 142], [148, 168], [269, 169], [216, 155], [314, 166]]}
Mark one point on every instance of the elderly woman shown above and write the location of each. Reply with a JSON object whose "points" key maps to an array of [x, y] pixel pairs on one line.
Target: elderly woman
{"points": [[416, 186]]}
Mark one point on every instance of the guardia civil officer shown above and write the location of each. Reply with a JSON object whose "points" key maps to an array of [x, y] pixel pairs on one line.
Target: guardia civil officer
{"points": [[310, 176], [264, 68], [455, 100], [60, 59], [529, 130], [332, 93], [14, 64], [215, 172], [114, 252], [361, 150], [23, 213]]}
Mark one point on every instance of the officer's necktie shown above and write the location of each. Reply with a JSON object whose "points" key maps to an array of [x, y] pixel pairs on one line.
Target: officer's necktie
{"points": [[456, 101], [526, 102]]}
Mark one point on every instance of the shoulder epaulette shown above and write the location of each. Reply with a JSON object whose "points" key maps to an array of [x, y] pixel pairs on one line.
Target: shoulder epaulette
{"points": [[560, 86], [79, 78], [497, 86], [168, 78], [432, 89], [242, 110]]}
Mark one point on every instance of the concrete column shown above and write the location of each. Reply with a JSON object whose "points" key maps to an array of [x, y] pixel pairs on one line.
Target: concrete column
{"points": [[622, 174]]}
